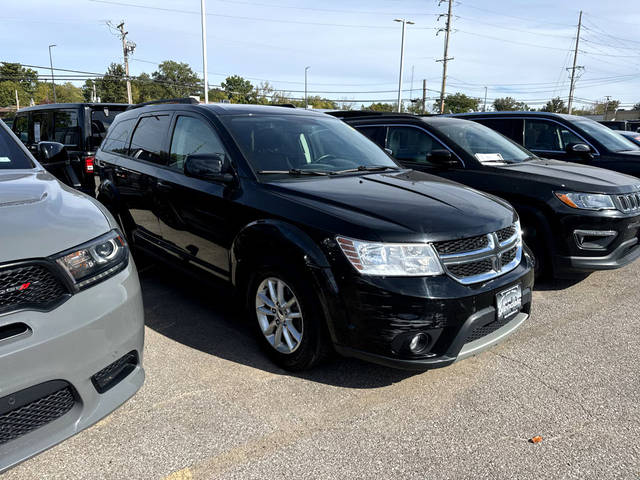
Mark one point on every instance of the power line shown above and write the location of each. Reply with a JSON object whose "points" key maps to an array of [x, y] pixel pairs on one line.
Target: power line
{"points": [[260, 19], [509, 41]]}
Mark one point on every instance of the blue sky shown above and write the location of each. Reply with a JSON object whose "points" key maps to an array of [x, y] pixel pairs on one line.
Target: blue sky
{"points": [[518, 48]]}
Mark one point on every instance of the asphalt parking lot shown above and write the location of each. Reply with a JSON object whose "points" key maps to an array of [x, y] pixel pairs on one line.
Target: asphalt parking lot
{"points": [[214, 407]]}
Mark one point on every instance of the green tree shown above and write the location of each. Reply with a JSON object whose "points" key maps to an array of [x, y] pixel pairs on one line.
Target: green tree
{"points": [[636, 106], [609, 106], [239, 90], [555, 105], [148, 89], [8, 94], [112, 87], [176, 80], [509, 104], [320, 102], [380, 107], [14, 72], [459, 103]]}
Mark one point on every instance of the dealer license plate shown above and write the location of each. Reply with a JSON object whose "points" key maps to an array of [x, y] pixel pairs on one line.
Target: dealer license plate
{"points": [[509, 302]]}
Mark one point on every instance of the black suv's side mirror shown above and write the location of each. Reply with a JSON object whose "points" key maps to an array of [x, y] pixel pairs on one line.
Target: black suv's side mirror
{"points": [[580, 149], [208, 166], [52, 152], [441, 158]]}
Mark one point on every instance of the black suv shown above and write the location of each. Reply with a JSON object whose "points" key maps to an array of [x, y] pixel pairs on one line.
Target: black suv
{"points": [[80, 127], [565, 137], [575, 218], [327, 240]]}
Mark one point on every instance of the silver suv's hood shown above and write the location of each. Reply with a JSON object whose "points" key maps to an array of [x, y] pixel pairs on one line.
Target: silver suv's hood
{"points": [[39, 216]]}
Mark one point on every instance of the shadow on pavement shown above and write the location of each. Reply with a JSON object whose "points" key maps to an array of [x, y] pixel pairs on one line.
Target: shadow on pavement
{"points": [[555, 284], [207, 317]]}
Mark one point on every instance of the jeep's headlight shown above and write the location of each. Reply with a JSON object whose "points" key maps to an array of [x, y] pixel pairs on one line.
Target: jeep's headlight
{"points": [[586, 201], [391, 259], [96, 260]]}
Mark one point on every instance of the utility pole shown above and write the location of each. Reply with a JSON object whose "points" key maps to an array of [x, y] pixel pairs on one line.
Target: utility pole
{"points": [[203, 15], [127, 48], [485, 100], [53, 83], [424, 95], [574, 68], [306, 104], [404, 23], [17, 101], [445, 59], [606, 106]]}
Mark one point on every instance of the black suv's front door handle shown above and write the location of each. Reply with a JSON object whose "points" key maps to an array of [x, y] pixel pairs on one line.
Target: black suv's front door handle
{"points": [[163, 187]]}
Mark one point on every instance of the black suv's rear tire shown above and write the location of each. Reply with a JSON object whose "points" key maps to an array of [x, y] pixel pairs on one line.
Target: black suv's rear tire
{"points": [[287, 318]]}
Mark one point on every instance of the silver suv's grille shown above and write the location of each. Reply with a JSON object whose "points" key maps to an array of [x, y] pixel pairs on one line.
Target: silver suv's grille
{"points": [[629, 202], [484, 257]]}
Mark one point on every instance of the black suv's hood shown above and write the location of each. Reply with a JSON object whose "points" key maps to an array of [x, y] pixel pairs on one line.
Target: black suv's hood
{"points": [[402, 203], [573, 176]]}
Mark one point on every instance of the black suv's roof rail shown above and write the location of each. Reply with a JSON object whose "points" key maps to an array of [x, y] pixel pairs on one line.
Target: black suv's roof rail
{"points": [[188, 100], [367, 113]]}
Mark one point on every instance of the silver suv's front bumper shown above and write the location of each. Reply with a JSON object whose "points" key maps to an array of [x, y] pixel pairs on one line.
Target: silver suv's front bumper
{"points": [[73, 342]]}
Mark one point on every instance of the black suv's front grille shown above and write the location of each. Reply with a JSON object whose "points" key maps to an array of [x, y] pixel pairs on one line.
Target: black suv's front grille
{"points": [[506, 233], [471, 269], [29, 286], [487, 329], [508, 256], [462, 245], [35, 414], [629, 202]]}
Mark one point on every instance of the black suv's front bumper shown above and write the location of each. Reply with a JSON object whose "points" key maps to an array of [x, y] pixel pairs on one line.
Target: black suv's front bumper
{"points": [[623, 249], [371, 315]]}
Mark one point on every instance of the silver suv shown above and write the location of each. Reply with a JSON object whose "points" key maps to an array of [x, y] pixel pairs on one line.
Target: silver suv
{"points": [[71, 317]]}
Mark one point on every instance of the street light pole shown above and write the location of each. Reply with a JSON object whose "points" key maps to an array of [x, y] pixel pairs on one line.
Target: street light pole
{"points": [[404, 23], [306, 104], [204, 50], [53, 83]]}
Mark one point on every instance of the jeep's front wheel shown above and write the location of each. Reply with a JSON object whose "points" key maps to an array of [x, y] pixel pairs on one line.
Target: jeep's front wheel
{"points": [[287, 319]]}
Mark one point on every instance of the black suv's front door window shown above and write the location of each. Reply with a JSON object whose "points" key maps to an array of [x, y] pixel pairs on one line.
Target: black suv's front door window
{"points": [[409, 144], [191, 135], [543, 135], [147, 140], [66, 129]]}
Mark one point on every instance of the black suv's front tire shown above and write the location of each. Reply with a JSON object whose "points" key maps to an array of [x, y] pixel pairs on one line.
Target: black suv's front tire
{"points": [[287, 318]]}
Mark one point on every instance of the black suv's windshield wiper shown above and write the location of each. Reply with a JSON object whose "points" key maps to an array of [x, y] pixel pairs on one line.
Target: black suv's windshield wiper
{"points": [[368, 168], [295, 171]]}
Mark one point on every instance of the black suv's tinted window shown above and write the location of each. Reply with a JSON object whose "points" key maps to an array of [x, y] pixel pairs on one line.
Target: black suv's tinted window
{"points": [[101, 120], [11, 155], [42, 126], [66, 129], [410, 144], [509, 127], [546, 135], [190, 136], [21, 128], [148, 138], [118, 137]]}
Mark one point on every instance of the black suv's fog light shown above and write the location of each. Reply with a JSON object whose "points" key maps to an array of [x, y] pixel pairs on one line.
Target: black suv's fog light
{"points": [[419, 343], [113, 374], [594, 239]]}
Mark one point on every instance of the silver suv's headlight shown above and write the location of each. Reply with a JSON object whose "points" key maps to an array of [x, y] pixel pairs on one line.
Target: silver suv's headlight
{"points": [[391, 259], [586, 201], [95, 260]]}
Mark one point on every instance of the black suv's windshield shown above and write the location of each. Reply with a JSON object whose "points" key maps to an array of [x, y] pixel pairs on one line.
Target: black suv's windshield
{"points": [[11, 155], [299, 144], [484, 144], [611, 139]]}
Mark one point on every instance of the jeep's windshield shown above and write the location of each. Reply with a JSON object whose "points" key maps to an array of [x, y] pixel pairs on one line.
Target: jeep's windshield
{"points": [[484, 144], [611, 139], [12, 156], [289, 144]]}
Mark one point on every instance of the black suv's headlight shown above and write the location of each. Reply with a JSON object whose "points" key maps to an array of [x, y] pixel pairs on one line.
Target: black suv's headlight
{"points": [[95, 260]]}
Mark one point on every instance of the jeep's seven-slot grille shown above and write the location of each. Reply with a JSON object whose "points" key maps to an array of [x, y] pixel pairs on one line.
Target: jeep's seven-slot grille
{"points": [[482, 257], [629, 202], [32, 286], [28, 418]]}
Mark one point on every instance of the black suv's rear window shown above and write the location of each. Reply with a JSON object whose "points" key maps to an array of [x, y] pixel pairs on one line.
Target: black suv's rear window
{"points": [[11, 155]]}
